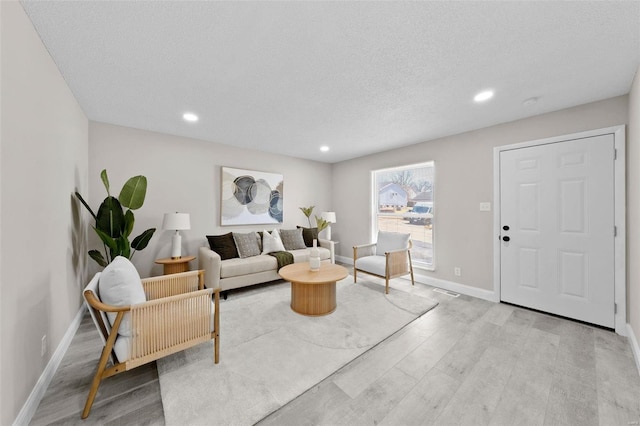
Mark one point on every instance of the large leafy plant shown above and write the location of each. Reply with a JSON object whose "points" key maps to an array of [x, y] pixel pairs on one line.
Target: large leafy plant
{"points": [[114, 225]]}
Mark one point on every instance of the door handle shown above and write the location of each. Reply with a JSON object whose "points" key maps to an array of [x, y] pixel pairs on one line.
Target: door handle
{"points": [[506, 238], [506, 227]]}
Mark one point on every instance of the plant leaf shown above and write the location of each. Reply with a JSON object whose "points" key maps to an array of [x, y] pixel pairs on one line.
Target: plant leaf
{"points": [[307, 210], [106, 238], [123, 247], [133, 192], [105, 180], [84, 203], [141, 241], [129, 220], [110, 217], [97, 256], [321, 223]]}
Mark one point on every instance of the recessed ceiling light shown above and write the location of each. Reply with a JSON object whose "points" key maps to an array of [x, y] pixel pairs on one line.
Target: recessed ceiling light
{"points": [[483, 96], [189, 116], [324, 148]]}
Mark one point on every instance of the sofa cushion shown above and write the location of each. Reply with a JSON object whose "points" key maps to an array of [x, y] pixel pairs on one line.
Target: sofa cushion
{"points": [[374, 264], [252, 265], [224, 245], [309, 234], [247, 244], [292, 239], [120, 285], [271, 242], [389, 241], [302, 255]]}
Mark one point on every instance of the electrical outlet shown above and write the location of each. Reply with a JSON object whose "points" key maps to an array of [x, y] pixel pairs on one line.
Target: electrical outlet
{"points": [[457, 271], [43, 346], [485, 207]]}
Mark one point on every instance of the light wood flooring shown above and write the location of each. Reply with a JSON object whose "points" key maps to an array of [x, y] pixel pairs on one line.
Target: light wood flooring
{"points": [[468, 361]]}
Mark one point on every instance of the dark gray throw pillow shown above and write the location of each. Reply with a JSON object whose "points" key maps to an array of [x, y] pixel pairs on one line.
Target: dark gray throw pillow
{"points": [[224, 245], [309, 234], [292, 239]]}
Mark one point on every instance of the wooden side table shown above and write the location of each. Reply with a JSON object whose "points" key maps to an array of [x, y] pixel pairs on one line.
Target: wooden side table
{"points": [[173, 266]]}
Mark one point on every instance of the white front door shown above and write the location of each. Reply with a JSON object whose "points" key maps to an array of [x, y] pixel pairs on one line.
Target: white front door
{"points": [[557, 228]]}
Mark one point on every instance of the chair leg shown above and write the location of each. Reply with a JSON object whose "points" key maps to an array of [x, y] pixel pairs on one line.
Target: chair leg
{"points": [[355, 257], [95, 384], [411, 268], [216, 329], [216, 348], [386, 285]]}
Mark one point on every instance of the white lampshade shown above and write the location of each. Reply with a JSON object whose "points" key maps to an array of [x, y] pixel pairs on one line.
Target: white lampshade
{"points": [[176, 221], [329, 216]]}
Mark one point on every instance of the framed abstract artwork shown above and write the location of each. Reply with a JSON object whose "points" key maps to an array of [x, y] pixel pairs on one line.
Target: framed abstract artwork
{"points": [[250, 197]]}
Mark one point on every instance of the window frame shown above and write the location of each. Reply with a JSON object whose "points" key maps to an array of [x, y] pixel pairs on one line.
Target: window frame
{"points": [[374, 211]]}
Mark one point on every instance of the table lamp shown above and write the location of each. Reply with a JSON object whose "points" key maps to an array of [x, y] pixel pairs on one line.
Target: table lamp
{"points": [[178, 222], [331, 218]]}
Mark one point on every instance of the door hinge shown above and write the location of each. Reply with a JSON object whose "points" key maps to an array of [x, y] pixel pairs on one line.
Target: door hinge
{"points": [[615, 154], [615, 308], [615, 231]]}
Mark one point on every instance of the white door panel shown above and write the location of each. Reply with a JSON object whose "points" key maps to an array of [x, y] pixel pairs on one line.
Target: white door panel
{"points": [[557, 201]]}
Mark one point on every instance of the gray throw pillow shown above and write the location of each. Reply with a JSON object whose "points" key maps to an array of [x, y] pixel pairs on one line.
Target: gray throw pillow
{"points": [[292, 239], [247, 244]]}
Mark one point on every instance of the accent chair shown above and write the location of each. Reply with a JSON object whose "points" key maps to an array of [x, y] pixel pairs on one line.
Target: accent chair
{"points": [[141, 321], [389, 257]]}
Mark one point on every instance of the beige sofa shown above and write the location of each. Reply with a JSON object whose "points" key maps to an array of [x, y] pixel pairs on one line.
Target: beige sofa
{"points": [[235, 273]]}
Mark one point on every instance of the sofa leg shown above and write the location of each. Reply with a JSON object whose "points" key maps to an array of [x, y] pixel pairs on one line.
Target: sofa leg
{"points": [[224, 295]]}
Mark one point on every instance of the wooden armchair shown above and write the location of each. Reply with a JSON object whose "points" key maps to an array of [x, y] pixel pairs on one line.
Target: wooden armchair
{"points": [[178, 314], [389, 257]]}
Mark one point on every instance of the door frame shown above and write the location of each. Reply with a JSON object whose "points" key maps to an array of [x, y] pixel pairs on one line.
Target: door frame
{"points": [[620, 239]]}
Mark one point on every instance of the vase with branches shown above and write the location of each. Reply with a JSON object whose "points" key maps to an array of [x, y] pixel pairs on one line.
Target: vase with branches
{"points": [[321, 224]]}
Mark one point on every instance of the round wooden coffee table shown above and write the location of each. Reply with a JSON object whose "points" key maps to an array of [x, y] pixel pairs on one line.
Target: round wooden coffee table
{"points": [[313, 293]]}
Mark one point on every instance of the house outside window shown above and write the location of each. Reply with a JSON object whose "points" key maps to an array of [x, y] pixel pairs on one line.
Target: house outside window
{"points": [[403, 202]]}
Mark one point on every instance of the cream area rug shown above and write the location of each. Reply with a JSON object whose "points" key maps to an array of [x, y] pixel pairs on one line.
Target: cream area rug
{"points": [[269, 354]]}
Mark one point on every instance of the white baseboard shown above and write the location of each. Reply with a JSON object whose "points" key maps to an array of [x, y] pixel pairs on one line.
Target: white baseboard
{"points": [[468, 290], [31, 405], [634, 346], [480, 293]]}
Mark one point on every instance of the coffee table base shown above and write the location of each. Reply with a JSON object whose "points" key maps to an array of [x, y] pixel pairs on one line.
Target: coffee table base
{"points": [[313, 300]]}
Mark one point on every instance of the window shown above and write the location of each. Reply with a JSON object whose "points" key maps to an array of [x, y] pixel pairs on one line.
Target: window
{"points": [[403, 202]]}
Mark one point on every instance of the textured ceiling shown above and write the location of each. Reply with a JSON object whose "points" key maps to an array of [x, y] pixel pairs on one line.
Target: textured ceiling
{"points": [[360, 77]]}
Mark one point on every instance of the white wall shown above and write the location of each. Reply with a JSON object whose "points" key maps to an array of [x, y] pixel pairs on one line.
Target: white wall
{"points": [[44, 145], [633, 208], [184, 175], [463, 178]]}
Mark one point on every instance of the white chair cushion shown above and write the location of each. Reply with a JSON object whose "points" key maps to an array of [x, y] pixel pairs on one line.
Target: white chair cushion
{"points": [[389, 241], [120, 285], [374, 264], [271, 242]]}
